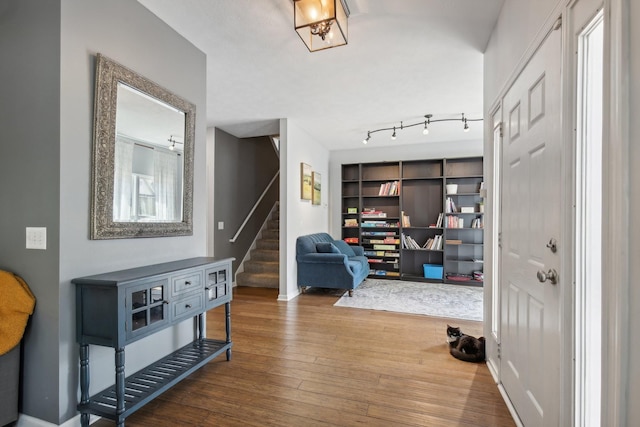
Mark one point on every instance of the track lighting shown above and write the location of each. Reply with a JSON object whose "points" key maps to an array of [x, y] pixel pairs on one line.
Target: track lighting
{"points": [[173, 142], [424, 123]]}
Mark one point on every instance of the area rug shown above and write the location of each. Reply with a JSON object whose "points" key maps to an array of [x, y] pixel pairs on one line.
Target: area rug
{"points": [[431, 299]]}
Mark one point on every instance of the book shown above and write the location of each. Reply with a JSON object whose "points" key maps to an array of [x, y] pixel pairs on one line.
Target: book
{"points": [[350, 222], [383, 247], [406, 220]]}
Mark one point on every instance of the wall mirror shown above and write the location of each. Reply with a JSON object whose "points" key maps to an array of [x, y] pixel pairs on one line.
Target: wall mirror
{"points": [[142, 157]]}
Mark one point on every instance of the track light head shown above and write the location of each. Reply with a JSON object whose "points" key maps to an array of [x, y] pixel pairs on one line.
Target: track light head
{"points": [[364, 141], [393, 136]]}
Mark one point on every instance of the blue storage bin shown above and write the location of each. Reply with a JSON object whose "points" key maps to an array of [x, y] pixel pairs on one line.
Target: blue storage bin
{"points": [[432, 271]]}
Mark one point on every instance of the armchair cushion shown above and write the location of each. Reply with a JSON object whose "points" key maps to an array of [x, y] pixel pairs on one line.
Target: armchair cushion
{"points": [[327, 248]]}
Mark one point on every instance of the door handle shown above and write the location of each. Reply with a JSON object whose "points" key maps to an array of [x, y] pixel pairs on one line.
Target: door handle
{"points": [[551, 276]]}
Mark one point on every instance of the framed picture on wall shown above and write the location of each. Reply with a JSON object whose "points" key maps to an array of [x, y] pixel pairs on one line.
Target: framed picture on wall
{"points": [[316, 181], [305, 181]]}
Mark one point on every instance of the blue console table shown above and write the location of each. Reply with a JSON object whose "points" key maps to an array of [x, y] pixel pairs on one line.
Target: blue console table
{"points": [[115, 309]]}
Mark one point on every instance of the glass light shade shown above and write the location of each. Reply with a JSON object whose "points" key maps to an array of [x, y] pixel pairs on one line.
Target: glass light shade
{"points": [[321, 24]]}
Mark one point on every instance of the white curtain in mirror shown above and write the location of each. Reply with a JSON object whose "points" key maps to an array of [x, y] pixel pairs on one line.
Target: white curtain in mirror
{"points": [[122, 186], [167, 189]]}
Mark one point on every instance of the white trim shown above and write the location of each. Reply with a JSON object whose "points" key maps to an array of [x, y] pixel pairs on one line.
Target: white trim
{"points": [[588, 17], [28, 421], [616, 190], [289, 296], [510, 407]]}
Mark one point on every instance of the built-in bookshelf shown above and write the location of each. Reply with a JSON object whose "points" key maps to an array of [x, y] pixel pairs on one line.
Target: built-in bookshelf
{"points": [[419, 220]]}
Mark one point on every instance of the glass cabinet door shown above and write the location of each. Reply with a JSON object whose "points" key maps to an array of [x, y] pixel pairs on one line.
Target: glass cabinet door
{"points": [[148, 307], [216, 285]]}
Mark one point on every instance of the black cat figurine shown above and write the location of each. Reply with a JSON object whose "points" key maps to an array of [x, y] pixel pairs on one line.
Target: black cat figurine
{"points": [[465, 347]]}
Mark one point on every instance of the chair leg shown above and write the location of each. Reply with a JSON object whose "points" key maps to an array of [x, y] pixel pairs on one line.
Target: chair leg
{"points": [[350, 292]]}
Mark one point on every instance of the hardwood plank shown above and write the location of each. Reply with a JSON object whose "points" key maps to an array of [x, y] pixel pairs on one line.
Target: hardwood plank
{"points": [[308, 363]]}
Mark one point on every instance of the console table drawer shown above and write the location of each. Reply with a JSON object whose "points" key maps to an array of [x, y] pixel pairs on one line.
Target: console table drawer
{"points": [[187, 307], [187, 283]]}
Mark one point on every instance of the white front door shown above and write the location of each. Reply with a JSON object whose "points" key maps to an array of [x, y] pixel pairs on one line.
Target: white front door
{"points": [[531, 217]]}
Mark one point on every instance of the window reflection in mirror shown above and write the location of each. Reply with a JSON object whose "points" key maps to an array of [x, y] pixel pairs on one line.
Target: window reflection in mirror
{"points": [[148, 163]]}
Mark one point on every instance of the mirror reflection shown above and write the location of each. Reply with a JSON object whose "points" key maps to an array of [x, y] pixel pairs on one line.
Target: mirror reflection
{"points": [[142, 160], [148, 159]]}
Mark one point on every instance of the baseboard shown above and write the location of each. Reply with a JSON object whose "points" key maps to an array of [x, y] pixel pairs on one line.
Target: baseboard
{"points": [[512, 410], [289, 297], [28, 421], [493, 371]]}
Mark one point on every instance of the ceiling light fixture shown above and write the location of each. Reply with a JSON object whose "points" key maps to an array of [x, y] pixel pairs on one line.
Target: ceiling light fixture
{"points": [[173, 142], [321, 24], [428, 120]]}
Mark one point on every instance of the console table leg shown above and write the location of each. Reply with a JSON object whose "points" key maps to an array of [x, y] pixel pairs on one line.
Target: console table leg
{"points": [[200, 327], [119, 384], [84, 382], [227, 311]]}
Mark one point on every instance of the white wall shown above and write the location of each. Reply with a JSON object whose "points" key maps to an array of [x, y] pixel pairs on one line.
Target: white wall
{"points": [[298, 217], [517, 26], [430, 150]]}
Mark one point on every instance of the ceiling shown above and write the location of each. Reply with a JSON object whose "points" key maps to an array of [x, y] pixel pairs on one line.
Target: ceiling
{"points": [[404, 59]]}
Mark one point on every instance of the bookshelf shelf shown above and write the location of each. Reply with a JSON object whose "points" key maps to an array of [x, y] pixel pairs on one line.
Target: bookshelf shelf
{"points": [[421, 199]]}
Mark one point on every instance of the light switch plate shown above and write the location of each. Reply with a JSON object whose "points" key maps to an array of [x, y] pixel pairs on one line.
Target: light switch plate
{"points": [[220, 225], [37, 238]]}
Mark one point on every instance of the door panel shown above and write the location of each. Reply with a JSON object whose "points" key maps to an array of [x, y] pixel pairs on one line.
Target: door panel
{"points": [[531, 212]]}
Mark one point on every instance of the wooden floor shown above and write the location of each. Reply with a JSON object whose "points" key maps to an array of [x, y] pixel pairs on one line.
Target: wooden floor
{"points": [[307, 363]]}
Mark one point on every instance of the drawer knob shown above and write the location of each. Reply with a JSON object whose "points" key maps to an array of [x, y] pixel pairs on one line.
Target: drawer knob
{"points": [[187, 306], [187, 282]]}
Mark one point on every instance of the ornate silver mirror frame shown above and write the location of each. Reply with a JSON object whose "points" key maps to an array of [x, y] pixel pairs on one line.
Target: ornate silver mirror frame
{"points": [[109, 75]]}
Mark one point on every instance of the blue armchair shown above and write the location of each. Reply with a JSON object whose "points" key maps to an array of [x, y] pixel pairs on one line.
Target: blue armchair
{"points": [[327, 263]]}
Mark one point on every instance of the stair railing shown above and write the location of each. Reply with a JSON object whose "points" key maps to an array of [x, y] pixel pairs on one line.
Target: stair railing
{"points": [[255, 206]]}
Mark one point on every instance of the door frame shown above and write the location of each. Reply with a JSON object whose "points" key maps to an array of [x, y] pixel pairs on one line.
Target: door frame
{"points": [[615, 265]]}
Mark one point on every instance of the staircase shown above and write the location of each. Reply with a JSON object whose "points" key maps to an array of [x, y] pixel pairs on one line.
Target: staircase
{"points": [[263, 268]]}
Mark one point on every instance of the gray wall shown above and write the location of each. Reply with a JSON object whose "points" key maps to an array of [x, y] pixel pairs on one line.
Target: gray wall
{"points": [[634, 207], [29, 171], [243, 169], [48, 51]]}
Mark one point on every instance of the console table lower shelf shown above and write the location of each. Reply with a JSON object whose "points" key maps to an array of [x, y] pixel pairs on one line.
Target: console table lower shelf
{"points": [[148, 383]]}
